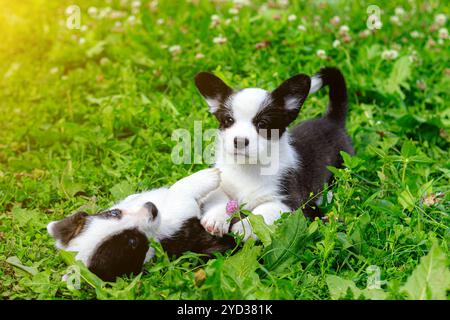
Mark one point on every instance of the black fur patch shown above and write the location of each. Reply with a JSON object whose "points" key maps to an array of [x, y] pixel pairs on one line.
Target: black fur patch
{"points": [[121, 254], [212, 87], [275, 116], [193, 237], [68, 228], [318, 142]]}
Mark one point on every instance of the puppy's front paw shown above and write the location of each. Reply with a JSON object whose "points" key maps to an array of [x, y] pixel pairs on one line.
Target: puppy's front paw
{"points": [[215, 221], [244, 228], [205, 181]]}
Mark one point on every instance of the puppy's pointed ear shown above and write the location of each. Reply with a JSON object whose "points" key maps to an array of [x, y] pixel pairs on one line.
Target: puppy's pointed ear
{"points": [[65, 230], [291, 94], [213, 89]]}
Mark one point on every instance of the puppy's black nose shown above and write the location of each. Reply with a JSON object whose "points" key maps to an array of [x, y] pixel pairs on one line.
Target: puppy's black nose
{"points": [[240, 143]]}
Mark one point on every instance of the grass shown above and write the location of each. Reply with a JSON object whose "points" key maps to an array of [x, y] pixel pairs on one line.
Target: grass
{"points": [[87, 116]]}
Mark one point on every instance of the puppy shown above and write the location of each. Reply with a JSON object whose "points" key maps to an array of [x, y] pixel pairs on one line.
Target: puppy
{"points": [[115, 242], [265, 166]]}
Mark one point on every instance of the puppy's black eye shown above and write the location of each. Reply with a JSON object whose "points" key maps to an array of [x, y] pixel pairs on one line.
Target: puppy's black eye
{"points": [[115, 213], [228, 121], [263, 124]]}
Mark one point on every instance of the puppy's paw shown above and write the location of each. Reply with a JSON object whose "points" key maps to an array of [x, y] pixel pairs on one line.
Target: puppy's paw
{"points": [[215, 221], [205, 181], [244, 228]]}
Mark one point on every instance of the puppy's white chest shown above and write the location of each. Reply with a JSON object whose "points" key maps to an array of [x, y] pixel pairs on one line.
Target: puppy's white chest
{"points": [[249, 187]]}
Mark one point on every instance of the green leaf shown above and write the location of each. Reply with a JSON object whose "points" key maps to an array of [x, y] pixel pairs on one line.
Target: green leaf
{"points": [[408, 149], [398, 77], [287, 242], [431, 278], [261, 229], [406, 199], [24, 217], [14, 261], [339, 288]]}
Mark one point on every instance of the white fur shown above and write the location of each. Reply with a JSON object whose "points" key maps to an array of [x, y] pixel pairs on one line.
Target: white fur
{"points": [[175, 205], [316, 84], [244, 177]]}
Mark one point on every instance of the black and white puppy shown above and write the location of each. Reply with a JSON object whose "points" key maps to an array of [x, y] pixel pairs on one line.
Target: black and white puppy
{"points": [[115, 242], [265, 166]]}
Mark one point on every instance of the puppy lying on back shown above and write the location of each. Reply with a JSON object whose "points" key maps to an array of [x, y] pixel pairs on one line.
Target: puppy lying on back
{"points": [[115, 242]]}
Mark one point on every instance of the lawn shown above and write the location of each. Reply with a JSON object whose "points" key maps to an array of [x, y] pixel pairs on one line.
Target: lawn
{"points": [[87, 114]]}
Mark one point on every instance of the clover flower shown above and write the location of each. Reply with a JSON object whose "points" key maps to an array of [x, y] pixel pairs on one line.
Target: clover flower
{"points": [[389, 54], [440, 19], [92, 11], [399, 11], [443, 33], [292, 17], [233, 11], [336, 43], [335, 20], [301, 27], [220, 40], [175, 49], [232, 207], [321, 54]]}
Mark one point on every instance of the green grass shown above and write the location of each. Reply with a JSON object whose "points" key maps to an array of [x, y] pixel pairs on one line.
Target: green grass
{"points": [[82, 124]]}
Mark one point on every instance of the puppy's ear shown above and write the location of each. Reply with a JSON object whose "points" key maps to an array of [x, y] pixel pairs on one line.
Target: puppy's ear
{"points": [[291, 94], [213, 89], [65, 230]]}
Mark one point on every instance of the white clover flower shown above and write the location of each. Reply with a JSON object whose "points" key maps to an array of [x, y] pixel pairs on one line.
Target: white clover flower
{"points": [[389, 54], [227, 22], [92, 11], [335, 20], [440, 19], [215, 20], [343, 30], [336, 43], [241, 3], [443, 33], [364, 34], [395, 20], [321, 54], [175, 49], [160, 21], [378, 24], [83, 28], [220, 40], [283, 3], [81, 41], [301, 27], [292, 17], [399, 11], [153, 4], [199, 56], [131, 19], [136, 4], [104, 61], [233, 11], [54, 70], [415, 34]]}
